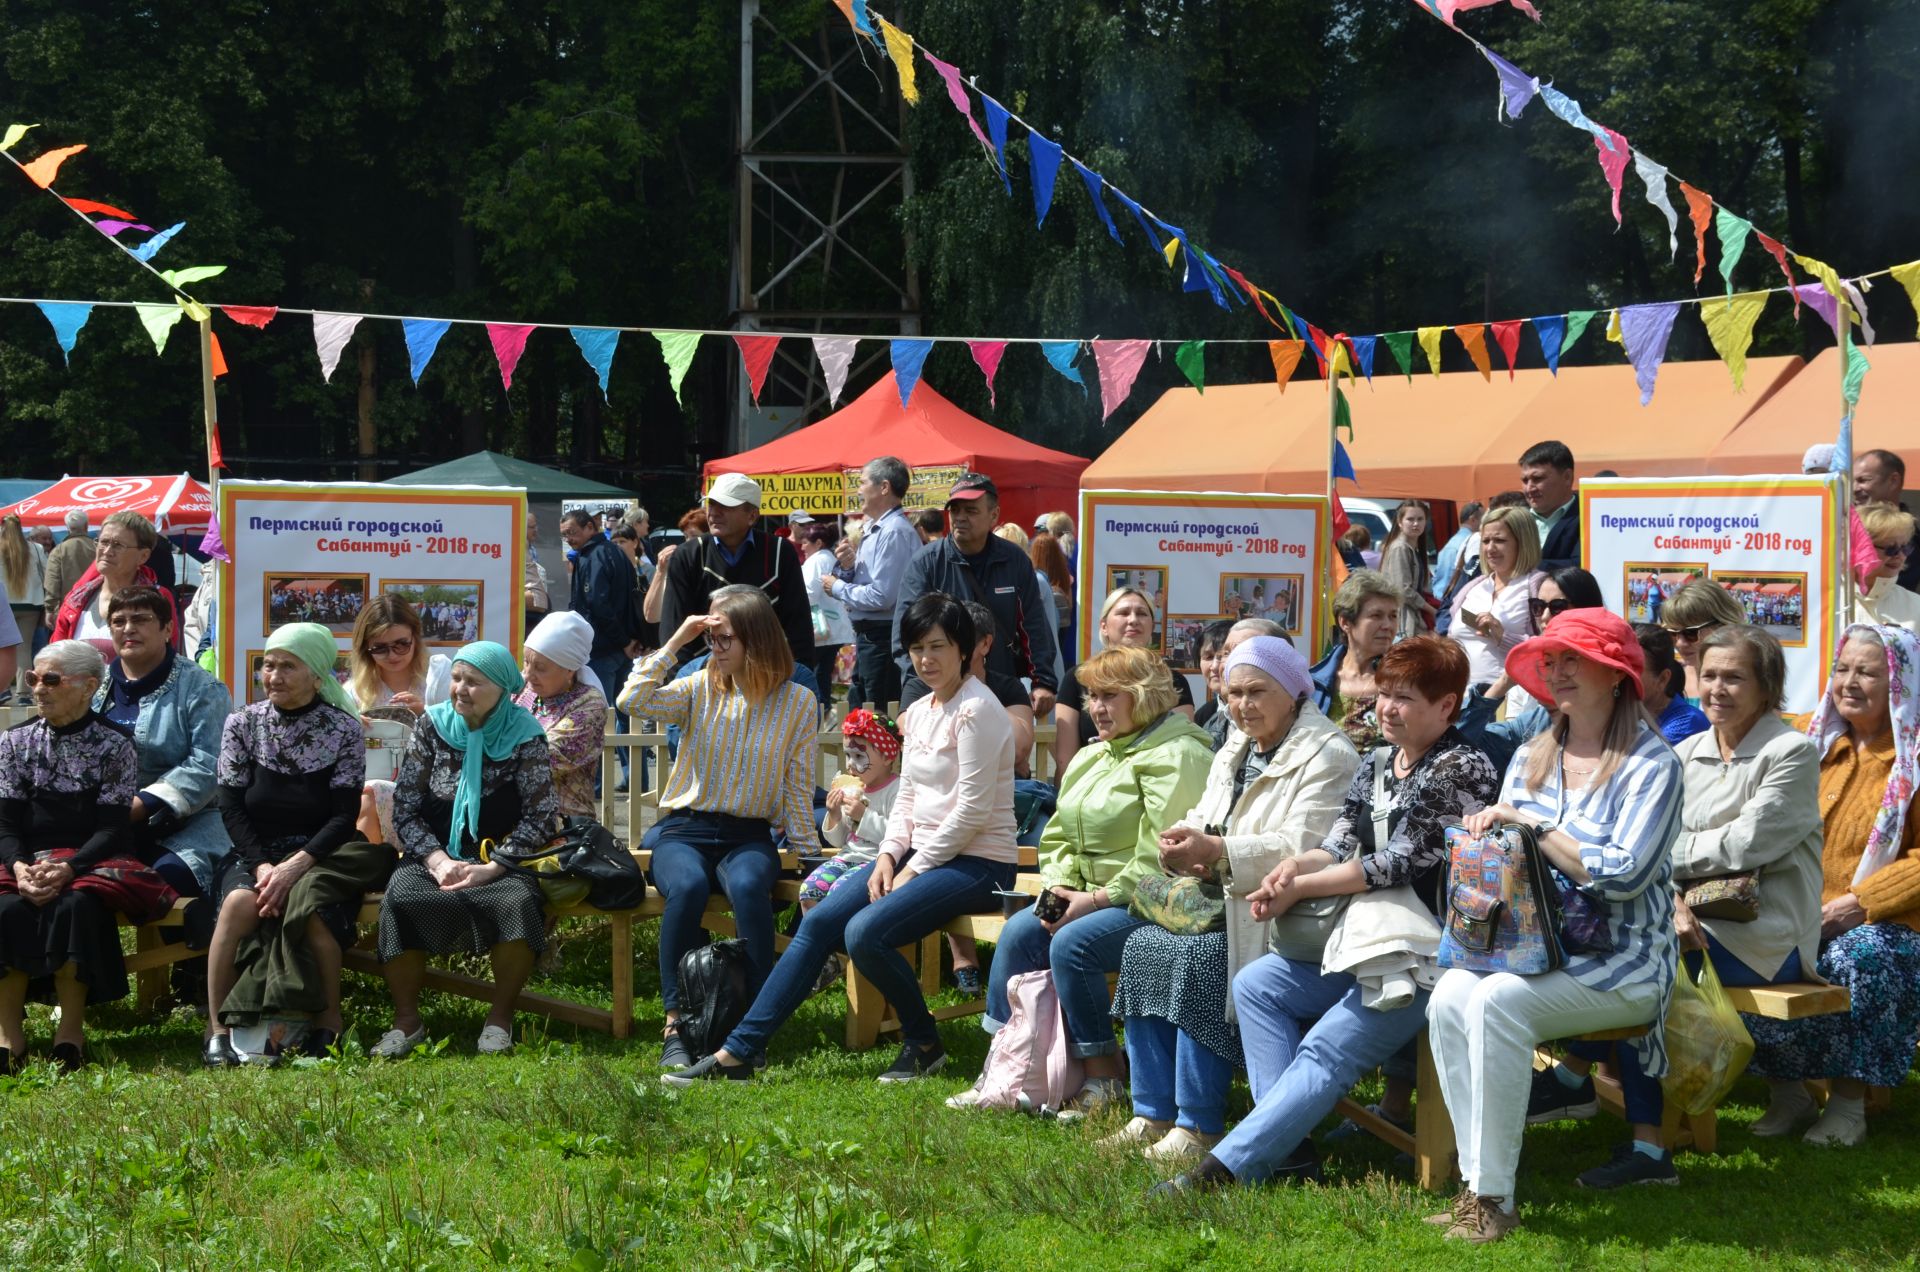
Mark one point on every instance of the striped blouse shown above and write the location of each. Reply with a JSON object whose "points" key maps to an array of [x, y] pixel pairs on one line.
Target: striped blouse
{"points": [[738, 758], [1626, 830]]}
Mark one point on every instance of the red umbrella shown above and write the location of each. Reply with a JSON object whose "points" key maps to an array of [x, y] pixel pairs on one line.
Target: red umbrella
{"points": [[175, 505]]}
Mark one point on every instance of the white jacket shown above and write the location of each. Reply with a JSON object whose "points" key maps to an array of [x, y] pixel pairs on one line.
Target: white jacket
{"points": [[1284, 812], [1888, 604]]}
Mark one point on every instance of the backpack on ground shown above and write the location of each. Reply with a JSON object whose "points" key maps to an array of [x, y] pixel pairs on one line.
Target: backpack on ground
{"points": [[1029, 1067], [713, 994]]}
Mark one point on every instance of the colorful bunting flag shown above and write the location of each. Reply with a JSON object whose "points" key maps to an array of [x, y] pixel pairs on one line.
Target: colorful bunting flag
{"points": [[1733, 231], [1286, 356], [251, 315], [1729, 325], [1778, 250], [1645, 330], [1364, 348], [1577, 320], [1317, 346], [1253, 293], [950, 74], [1400, 344], [423, 337], [909, 359], [98, 209], [1043, 161], [1614, 335], [1139, 214], [1818, 299], [900, 49], [756, 355], [1858, 301], [182, 278], [1430, 345], [1342, 413], [1700, 209], [986, 356], [1286, 315], [1343, 462], [14, 133], [43, 170], [1551, 329], [1655, 178], [66, 318], [862, 20], [215, 457], [677, 348], [1569, 110], [330, 335], [1191, 358], [1447, 8], [1908, 276], [159, 321], [597, 345], [217, 362], [1093, 182], [149, 249], [110, 227], [1517, 88], [1474, 336], [509, 341], [1856, 370], [1118, 364], [211, 544], [1614, 154], [997, 134], [835, 354], [1061, 355], [1171, 250], [1507, 336]]}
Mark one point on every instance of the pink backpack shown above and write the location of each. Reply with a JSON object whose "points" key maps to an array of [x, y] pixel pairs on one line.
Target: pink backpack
{"points": [[1029, 1067]]}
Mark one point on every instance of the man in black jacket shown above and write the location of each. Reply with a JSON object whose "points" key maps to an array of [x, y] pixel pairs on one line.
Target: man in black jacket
{"points": [[974, 564], [602, 584], [737, 553], [1546, 475]]}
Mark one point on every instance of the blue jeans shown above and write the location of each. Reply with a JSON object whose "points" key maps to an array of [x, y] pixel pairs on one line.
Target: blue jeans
{"points": [[1080, 956], [1307, 1041], [1644, 1102], [693, 854], [871, 932], [612, 670], [1175, 1079]]}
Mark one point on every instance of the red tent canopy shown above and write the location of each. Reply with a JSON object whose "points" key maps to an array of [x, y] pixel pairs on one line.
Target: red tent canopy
{"points": [[175, 505], [929, 432]]}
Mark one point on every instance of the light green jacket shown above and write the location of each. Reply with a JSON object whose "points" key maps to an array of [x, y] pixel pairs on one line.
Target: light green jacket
{"points": [[1116, 798]]}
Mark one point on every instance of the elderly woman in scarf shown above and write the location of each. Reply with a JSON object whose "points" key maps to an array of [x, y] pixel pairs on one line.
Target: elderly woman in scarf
{"points": [[1273, 792], [1867, 729], [477, 777], [289, 776], [569, 702]]}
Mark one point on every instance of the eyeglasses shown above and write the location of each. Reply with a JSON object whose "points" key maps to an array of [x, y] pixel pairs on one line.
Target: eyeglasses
{"points": [[720, 643], [115, 545], [1688, 634], [126, 621], [392, 648], [1893, 551], [51, 679], [1540, 609]]}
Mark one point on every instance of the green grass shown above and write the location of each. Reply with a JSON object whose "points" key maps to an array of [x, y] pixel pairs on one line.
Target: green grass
{"points": [[570, 1154]]}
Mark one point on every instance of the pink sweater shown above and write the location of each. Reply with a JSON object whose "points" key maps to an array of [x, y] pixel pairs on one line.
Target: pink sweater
{"points": [[956, 781]]}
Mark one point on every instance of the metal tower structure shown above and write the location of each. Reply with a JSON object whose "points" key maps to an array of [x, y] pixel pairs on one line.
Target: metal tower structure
{"points": [[818, 246]]}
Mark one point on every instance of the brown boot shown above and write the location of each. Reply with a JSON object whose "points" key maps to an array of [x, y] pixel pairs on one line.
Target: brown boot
{"points": [[1486, 1224], [1458, 1212]]}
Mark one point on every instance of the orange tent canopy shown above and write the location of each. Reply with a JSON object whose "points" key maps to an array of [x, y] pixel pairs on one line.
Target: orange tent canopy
{"points": [[1773, 437], [1779, 589]]}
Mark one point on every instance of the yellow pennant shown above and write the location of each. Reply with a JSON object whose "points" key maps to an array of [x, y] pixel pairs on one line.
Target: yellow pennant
{"points": [[1730, 327], [1430, 342], [1908, 276], [1613, 329], [1172, 249], [900, 49], [14, 133]]}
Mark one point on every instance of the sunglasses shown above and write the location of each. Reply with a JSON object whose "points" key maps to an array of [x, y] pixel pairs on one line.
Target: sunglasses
{"points": [[1893, 551], [1688, 633], [1541, 609], [51, 679], [402, 646]]}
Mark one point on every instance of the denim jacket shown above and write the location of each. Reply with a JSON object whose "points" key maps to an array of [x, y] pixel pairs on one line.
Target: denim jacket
{"points": [[177, 742]]}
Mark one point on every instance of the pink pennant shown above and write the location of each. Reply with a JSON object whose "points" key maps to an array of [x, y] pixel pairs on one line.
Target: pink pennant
{"points": [[756, 354], [986, 356], [250, 315], [1507, 336], [956, 94], [1119, 362], [509, 342], [1614, 164], [111, 227]]}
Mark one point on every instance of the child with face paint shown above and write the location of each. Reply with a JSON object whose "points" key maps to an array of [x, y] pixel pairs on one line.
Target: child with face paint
{"points": [[858, 802]]}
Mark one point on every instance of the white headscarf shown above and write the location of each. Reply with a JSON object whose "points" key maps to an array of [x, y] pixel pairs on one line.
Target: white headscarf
{"points": [[566, 639]]}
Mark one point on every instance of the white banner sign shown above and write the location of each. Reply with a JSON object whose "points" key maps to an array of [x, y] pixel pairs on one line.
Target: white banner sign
{"points": [[318, 553], [1776, 543]]}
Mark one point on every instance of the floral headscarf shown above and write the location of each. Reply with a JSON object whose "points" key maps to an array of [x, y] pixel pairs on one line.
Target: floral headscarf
{"points": [[1903, 713]]}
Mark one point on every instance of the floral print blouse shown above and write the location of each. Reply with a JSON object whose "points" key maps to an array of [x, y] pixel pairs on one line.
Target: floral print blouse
{"points": [[575, 722], [521, 784], [61, 774]]}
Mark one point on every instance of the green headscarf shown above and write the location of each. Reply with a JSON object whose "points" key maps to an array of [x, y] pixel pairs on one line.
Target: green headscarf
{"points": [[314, 645], [507, 726]]}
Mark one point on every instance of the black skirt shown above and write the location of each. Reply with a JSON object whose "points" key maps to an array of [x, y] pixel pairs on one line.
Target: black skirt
{"points": [[418, 914], [74, 927]]}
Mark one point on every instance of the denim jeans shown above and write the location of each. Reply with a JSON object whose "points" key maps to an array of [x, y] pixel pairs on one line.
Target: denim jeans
{"points": [[870, 932], [693, 854], [1307, 1041], [1080, 956], [1175, 1079], [612, 670], [876, 676]]}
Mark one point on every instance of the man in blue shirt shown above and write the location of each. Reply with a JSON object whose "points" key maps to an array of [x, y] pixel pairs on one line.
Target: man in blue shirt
{"points": [[868, 583], [1449, 560]]}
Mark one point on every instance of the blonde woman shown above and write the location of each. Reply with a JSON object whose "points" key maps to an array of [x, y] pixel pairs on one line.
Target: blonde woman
{"points": [[389, 664], [23, 564], [1691, 614], [1884, 602], [1490, 615], [1128, 618]]}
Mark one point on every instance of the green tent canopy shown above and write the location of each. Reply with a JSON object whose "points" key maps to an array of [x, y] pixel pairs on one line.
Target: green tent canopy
{"points": [[491, 468]]}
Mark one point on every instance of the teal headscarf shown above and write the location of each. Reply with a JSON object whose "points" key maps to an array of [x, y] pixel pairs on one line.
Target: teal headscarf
{"points": [[507, 727], [314, 645]]}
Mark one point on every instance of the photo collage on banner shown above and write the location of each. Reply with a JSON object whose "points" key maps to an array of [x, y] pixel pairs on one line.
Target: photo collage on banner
{"points": [[1776, 544]]}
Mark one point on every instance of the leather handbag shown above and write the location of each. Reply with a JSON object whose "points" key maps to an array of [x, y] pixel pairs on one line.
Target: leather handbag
{"points": [[584, 852], [1184, 905], [1730, 898]]}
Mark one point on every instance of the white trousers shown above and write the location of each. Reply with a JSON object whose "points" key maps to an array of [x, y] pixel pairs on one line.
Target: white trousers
{"points": [[1483, 1028]]}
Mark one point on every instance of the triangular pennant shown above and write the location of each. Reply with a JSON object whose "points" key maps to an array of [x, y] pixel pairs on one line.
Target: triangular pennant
{"points": [[836, 355], [1645, 330], [423, 337], [98, 209], [1342, 412], [1061, 355], [1253, 293], [194, 309], [1191, 358], [212, 544], [1614, 335], [1286, 315], [1507, 336], [1171, 250], [251, 315], [1908, 276], [159, 321], [1655, 178], [216, 458], [1118, 364], [900, 49], [1569, 110], [1729, 325], [1430, 345], [179, 278], [1577, 320], [677, 348], [909, 359], [66, 318], [1517, 88], [1043, 160], [1286, 356], [950, 75], [1339, 359], [1093, 182], [1343, 462], [1448, 8], [1317, 346], [986, 356], [43, 170], [1614, 154], [1551, 329], [1822, 302], [1700, 209], [509, 341], [997, 136], [597, 345], [862, 20], [13, 135], [1400, 344], [1363, 351], [1855, 372], [756, 355], [1139, 214], [1474, 336], [1733, 231], [112, 228], [1778, 250], [330, 335], [1856, 297], [217, 360], [149, 249]]}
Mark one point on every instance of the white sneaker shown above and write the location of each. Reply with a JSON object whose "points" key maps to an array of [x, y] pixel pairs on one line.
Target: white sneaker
{"points": [[1789, 1106], [494, 1041], [967, 1099], [395, 1045], [1138, 1133], [1842, 1125], [1181, 1145], [1094, 1096]]}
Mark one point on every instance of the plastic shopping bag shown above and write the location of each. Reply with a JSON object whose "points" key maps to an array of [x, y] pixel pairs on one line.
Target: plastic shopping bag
{"points": [[1707, 1045]]}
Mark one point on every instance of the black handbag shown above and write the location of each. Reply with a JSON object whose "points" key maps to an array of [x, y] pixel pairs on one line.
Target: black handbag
{"points": [[713, 993], [587, 851]]}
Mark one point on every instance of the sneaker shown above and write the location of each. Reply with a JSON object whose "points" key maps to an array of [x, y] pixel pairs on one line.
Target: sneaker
{"points": [[1457, 1213], [1138, 1133], [1349, 1128], [1631, 1166], [915, 1062], [967, 981], [494, 1041], [673, 1052], [1097, 1095], [1485, 1222], [967, 1099], [397, 1045], [1180, 1145], [1551, 1100], [709, 1069], [1791, 1105]]}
